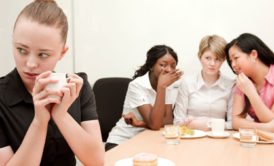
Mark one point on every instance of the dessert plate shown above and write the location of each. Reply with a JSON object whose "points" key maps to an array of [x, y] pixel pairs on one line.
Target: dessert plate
{"points": [[196, 134], [129, 162], [237, 136]]}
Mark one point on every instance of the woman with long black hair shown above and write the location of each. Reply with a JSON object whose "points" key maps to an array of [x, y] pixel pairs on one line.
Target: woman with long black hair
{"points": [[150, 96], [253, 61]]}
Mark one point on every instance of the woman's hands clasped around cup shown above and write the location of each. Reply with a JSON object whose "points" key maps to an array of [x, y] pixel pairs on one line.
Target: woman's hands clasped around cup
{"points": [[47, 106], [70, 93]]}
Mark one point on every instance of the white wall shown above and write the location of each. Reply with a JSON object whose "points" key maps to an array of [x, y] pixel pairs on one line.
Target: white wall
{"points": [[111, 37], [6, 26], [9, 11]]}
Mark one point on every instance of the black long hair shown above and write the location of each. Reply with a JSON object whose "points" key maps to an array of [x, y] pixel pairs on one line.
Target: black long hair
{"points": [[153, 55], [247, 42]]}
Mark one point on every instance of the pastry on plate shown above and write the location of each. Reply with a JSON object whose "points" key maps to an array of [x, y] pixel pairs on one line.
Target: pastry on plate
{"points": [[265, 135], [186, 131], [145, 159]]}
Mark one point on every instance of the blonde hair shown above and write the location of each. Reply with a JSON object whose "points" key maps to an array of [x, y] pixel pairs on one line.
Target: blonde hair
{"points": [[46, 12], [213, 43]]}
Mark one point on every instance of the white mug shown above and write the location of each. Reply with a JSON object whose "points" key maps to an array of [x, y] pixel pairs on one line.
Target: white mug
{"points": [[217, 126], [62, 81]]}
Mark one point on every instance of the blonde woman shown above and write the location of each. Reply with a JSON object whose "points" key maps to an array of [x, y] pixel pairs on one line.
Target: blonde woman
{"points": [[208, 94]]}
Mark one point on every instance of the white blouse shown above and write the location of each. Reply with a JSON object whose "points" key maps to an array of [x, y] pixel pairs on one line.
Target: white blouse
{"points": [[139, 93], [196, 99]]}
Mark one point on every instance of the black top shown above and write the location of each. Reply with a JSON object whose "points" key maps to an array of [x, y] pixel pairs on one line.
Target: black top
{"points": [[17, 112]]}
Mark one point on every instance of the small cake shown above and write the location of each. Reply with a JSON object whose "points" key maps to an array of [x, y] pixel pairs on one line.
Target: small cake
{"points": [[265, 135], [145, 159]]}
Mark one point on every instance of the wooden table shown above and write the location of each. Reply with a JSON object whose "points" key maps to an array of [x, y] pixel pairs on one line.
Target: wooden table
{"points": [[194, 152]]}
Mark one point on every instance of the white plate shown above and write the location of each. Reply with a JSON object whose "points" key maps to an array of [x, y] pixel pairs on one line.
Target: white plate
{"points": [[224, 135], [197, 134], [129, 162], [237, 136]]}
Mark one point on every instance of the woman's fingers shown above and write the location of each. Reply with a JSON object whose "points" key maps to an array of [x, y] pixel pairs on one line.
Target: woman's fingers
{"points": [[46, 97], [48, 100], [67, 93], [71, 87], [41, 81], [179, 74], [175, 75], [45, 93], [73, 78], [128, 118]]}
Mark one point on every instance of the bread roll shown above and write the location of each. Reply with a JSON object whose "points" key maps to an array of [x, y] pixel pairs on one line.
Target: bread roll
{"points": [[265, 135], [145, 159]]}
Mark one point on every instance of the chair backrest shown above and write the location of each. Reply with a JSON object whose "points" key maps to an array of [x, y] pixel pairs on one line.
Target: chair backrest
{"points": [[110, 95]]}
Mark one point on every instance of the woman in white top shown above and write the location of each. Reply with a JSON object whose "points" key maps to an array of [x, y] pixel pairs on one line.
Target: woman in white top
{"points": [[149, 97], [208, 95]]}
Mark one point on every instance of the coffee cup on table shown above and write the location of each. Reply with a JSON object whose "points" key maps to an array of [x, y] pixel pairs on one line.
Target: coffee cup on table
{"points": [[217, 126], [57, 86]]}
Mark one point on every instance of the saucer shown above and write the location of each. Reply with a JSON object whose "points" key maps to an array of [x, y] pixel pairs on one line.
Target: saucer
{"points": [[223, 135]]}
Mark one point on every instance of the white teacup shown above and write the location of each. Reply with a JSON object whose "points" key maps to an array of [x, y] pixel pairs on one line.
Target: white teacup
{"points": [[217, 126], [62, 81]]}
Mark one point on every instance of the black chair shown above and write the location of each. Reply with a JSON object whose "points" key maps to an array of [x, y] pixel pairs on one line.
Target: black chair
{"points": [[110, 95]]}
